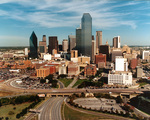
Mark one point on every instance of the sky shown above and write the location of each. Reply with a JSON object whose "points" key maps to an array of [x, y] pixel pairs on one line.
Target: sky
{"points": [[129, 19]]}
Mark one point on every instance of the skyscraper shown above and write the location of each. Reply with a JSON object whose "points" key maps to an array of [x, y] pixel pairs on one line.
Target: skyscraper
{"points": [[98, 40], [42, 45], [53, 44], [33, 46], [78, 40], [72, 42], [65, 45], [116, 42], [86, 35], [93, 50]]}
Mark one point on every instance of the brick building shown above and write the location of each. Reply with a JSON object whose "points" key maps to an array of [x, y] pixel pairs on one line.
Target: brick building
{"points": [[90, 70], [73, 69]]}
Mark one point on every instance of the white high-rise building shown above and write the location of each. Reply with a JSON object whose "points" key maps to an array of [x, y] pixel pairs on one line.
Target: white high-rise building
{"points": [[145, 55], [26, 51], [121, 64]]}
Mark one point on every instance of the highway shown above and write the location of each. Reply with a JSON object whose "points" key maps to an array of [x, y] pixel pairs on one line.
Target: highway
{"points": [[52, 110]]}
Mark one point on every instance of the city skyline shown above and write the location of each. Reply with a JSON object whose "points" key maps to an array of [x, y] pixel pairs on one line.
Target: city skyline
{"points": [[127, 19]]}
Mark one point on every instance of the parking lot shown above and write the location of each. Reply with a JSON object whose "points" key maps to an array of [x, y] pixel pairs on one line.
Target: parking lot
{"points": [[98, 104], [30, 83]]}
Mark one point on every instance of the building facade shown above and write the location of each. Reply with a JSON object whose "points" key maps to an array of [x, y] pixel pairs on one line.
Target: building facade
{"points": [[86, 35], [53, 44], [72, 42], [42, 45], [33, 46], [121, 78], [65, 45], [116, 42], [90, 70], [98, 40]]}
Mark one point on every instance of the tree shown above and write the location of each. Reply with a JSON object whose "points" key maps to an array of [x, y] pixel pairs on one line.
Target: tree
{"points": [[42, 81]]}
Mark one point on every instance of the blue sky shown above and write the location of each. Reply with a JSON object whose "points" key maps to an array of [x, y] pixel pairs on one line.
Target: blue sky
{"points": [[129, 19]]}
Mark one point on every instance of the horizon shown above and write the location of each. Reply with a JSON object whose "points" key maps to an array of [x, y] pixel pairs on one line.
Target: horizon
{"points": [[127, 19]]}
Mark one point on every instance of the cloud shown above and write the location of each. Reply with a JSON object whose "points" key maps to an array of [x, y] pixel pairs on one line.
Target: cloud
{"points": [[64, 13]]}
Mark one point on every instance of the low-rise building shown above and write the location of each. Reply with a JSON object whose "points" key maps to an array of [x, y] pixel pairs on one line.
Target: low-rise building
{"points": [[84, 60], [119, 77], [73, 69], [42, 72], [62, 69], [90, 70]]}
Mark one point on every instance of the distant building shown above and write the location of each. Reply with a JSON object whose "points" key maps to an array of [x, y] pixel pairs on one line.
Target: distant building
{"points": [[65, 45], [114, 53], [126, 49], [90, 70], [53, 44], [47, 57], [33, 46], [139, 72], [105, 49], [42, 45], [60, 48], [62, 69], [84, 60], [74, 54], [116, 42], [101, 58], [93, 50], [121, 64], [73, 69], [145, 55], [98, 40], [26, 51], [121, 78], [78, 40], [133, 63], [72, 42], [8, 55]]}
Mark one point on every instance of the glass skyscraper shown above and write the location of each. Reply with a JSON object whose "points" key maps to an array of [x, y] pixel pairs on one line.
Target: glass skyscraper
{"points": [[86, 35], [33, 46]]}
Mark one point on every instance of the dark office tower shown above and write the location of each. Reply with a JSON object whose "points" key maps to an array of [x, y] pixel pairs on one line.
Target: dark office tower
{"points": [[78, 40], [86, 35], [42, 45], [116, 42], [53, 44], [92, 37], [33, 46], [104, 49], [60, 48], [98, 40], [72, 42]]}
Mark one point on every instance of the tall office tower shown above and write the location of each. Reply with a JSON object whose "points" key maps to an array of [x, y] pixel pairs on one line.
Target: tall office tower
{"points": [[115, 52], [116, 42], [72, 42], [65, 45], [98, 40], [105, 49], [53, 44], [42, 45], [78, 40], [33, 46], [86, 35], [60, 48], [93, 50]]}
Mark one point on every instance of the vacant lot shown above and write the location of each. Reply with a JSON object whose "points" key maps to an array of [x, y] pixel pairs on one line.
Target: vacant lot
{"points": [[10, 111], [70, 114]]}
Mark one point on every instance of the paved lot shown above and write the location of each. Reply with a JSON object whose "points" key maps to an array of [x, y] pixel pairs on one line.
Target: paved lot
{"points": [[98, 103]]}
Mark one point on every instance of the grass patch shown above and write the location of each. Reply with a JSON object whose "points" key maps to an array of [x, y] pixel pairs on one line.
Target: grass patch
{"points": [[4, 93], [79, 81], [15, 109], [75, 115], [65, 81], [142, 84]]}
